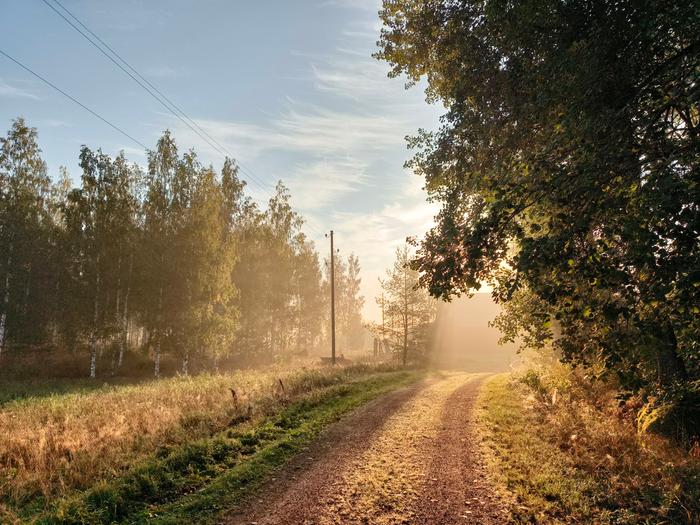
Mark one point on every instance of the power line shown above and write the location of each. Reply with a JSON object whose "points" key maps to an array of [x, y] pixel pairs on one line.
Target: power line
{"points": [[157, 94], [144, 84], [134, 78], [92, 112], [154, 88]]}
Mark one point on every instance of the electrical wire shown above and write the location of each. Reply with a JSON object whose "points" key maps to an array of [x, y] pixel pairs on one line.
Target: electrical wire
{"points": [[92, 112], [157, 94]]}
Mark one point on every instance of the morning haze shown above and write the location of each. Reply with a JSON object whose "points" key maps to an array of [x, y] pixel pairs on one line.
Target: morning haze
{"points": [[241, 245]]}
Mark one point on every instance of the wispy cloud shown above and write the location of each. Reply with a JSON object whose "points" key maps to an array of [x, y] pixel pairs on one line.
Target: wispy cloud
{"points": [[163, 71], [14, 91], [370, 5], [318, 184], [306, 128]]}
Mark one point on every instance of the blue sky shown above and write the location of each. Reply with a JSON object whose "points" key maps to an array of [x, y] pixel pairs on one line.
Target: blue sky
{"points": [[288, 87]]}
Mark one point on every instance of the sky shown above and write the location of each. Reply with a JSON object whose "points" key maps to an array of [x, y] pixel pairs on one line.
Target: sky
{"points": [[288, 88]]}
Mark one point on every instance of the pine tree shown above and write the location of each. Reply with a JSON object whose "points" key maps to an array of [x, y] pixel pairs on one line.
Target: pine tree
{"points": [[408, 308]]}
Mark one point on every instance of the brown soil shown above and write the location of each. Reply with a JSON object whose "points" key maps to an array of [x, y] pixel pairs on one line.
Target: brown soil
{"points": [[410, 457]]}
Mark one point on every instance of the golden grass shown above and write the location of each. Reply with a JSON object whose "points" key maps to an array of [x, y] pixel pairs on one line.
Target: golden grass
{"points": [[54, 445], [567, 453]]}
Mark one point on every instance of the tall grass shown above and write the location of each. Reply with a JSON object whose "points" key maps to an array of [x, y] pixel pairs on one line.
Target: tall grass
{"points": [[55, 445], [569, 451]]}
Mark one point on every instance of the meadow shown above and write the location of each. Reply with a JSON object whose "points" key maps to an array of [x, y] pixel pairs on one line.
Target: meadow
{"points": [[54, 446]]}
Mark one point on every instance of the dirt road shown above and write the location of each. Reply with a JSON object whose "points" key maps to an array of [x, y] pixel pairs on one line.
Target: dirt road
{"points": [[410, 457]]}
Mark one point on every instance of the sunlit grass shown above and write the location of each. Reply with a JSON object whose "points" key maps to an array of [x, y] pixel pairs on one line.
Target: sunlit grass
{"points": [[55, 445], [571, 458], [197, 481]]}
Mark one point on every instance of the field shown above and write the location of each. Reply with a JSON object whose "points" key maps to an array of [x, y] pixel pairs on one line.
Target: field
{"points": [[58, 449]]}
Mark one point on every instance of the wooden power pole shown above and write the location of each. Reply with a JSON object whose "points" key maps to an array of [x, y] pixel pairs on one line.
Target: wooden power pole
{"points": [[332, 301]]}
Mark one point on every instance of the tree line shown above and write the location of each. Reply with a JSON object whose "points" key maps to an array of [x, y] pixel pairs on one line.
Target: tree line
{"points": [[171, 260], [568, 169]]}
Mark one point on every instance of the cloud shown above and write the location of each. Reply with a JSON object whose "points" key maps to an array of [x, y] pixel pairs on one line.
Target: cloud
{"points": [[304, 128], [10, 91], [163, 71], [371, 5], [318, 184], [53, 123], [374, 236]]}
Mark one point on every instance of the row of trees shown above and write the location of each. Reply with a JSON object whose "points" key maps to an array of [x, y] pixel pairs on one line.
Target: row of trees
{"points": [[568, 169], [174, 260]]}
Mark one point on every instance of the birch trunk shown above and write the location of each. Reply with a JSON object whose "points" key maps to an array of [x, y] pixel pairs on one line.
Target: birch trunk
{"points": [[186, 361], [117, 304], [5, 302], [159, 333], [25, 305], [95, 316], [125, 315]]}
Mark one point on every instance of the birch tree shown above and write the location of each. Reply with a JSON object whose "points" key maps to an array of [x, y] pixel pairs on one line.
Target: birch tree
{"points": [[24, 186]]}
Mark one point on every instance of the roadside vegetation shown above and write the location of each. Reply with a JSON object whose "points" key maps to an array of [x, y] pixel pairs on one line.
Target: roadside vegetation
{"points": [[68, 452], [566, 450], [566, 167]]}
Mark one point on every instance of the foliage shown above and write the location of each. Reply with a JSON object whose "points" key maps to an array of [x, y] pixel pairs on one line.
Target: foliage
{"points": [[348, 303], [173, 261], [407, 310], [568, 168]]}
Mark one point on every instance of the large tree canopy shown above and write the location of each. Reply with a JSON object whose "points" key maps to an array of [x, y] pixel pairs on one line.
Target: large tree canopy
{"points": [[567, 165]]}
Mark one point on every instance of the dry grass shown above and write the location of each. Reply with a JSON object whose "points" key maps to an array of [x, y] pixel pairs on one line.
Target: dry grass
{"points": [[52, 446], [569, 453]]}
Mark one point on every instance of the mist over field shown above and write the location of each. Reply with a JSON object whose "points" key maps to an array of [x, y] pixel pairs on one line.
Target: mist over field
{"points": [[464, 340]]}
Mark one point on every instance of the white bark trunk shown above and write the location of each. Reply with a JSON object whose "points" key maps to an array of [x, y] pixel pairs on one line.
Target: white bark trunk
{"points": [[95, 317], [185, 362], [159, 333], [125, 315], [5, 302]]}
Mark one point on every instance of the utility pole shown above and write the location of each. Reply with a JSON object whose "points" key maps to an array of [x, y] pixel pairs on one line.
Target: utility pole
{"points": [[332, 301], [384, 349]]}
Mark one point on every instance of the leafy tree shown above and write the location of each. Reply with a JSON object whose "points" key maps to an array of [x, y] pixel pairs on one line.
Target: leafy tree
{"points": [[211, 317], [162, 303], [99, 225], [177, 261], [407, 308], [24, 222], [309, 302], [567, 166], [351, 303]]}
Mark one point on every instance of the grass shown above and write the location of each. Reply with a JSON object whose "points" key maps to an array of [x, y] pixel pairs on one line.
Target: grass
{"points": [[194, 482], [88, 451], [574, 457]]}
